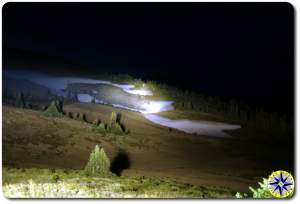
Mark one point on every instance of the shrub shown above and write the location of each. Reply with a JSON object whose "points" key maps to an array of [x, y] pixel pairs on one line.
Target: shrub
{"points": [[113, 120], [76, 115], [55, 178], [138, 83], [119, 116], [261, 192], [20, 102], [70, 115], [240, 195], [82, 117], [101, 128], [54, 110], [96, 122], [116, 129], [114, 126], [93, 100], [98, 162]]}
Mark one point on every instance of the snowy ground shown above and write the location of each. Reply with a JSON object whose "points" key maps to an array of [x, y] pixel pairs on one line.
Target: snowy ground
{"points": [[208, 128], [58, 84]]}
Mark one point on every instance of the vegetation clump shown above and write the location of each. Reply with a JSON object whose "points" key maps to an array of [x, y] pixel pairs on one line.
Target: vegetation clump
{"points": [[70, 115], [113, 120], [114, 126], [54, 110], [77, 116], [82, 117], [96, 122], [101, 128], [20, 102], [44, 183], [262, 192], [232, 110], [98, 163]]}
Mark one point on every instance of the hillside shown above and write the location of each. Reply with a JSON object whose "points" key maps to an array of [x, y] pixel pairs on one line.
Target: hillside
{"points": [[33, 140], [62, 183]]}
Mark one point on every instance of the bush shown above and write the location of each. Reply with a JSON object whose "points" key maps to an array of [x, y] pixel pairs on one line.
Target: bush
{"points": [[54, 110], [70, 115], [55, 178], [76, 115], [98, 162], [113, 120], [101, 128], [113, 126], [82, 117], [20, 102], [261, 192], [117, 129], [96, 123]]}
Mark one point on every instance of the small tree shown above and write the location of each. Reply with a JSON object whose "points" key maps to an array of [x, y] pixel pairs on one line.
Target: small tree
{"points": [[93, 99], [262, 192], [77, 116], [98, 162], [117, 129], [101, 128], [113, 120], [21, 100], [96, 122], [82, 117], [115, 125], [59, 104], [70, 115], [54, 110], [118, 119]]}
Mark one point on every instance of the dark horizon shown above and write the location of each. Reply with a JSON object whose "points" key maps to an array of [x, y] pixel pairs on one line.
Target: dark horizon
{"points": [[243, 51]]}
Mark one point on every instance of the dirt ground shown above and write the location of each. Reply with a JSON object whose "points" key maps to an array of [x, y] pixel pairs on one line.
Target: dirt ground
{"points": [[33, 140]]}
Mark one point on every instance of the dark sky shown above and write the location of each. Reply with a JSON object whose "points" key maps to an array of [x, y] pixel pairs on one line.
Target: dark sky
{"points": [[233, 50]]}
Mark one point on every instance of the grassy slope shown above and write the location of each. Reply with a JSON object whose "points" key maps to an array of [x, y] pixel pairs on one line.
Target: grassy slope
{"points": [[45, 183], [32, 140]]}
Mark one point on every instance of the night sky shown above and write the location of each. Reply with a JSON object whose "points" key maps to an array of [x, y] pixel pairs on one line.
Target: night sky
{"points": [[232, 50]]}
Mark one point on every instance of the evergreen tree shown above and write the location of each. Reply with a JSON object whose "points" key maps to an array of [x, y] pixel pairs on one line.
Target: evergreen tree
{"points": [[77, 115], [70, 115], [117, 129], [113, 120], [101, 128], [21, 100], [96, 122], [54, 110], [98, 162], [82, 117]]}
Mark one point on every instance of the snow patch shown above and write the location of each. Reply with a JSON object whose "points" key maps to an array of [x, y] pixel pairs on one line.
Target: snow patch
{"points": [[208, 128], [84, 98], [58, 85], [156, 106]]}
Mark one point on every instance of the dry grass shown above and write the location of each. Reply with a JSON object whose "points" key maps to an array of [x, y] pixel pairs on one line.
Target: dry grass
{"points": [[32, 140]]}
